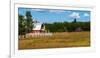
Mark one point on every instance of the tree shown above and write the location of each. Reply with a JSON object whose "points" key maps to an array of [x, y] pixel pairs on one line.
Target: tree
{"points": [[21, 25], [75, 20], [29, 22]]}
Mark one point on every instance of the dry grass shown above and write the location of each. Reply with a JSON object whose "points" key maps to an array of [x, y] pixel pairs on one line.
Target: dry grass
{"points": [[58, 40]]}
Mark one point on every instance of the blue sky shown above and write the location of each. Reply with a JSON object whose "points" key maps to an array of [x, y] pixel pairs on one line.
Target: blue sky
{"points": [[56, 15]]}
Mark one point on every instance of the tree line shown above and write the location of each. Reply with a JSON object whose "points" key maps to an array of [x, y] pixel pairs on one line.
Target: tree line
{"points": [[67, 26]]}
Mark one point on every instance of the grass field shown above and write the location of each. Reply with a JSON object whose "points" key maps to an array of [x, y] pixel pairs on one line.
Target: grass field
{"points": [[57, 40]]}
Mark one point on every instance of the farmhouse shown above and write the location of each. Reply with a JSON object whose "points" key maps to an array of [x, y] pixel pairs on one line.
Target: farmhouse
{"points": [[38, 27]]}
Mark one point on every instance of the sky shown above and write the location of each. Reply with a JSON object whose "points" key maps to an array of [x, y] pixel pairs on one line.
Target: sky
{"points": [[56, 15]]}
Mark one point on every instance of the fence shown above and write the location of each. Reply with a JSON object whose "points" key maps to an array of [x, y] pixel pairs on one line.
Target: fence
{"points": [[29, 35]]}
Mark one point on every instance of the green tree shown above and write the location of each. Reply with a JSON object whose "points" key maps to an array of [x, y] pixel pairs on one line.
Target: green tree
{"points": [[75, 20], [21, 25], [29, 22]]}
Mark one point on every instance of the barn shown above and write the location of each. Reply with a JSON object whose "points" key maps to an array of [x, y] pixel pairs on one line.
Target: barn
{"points": [[38, 27]]}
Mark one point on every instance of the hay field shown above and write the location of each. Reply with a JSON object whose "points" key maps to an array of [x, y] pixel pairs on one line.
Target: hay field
{"points": [[57, 40]]}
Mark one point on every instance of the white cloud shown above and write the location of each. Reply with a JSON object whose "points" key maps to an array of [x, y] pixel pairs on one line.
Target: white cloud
{"points": [[86, 14], [56, 11], [49, 10], [74, 15], [38, 9]]}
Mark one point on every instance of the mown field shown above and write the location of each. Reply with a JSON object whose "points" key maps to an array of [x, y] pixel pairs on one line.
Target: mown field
{"points": [[57, 40]]}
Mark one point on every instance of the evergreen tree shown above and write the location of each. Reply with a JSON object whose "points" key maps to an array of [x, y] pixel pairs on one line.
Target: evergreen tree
{"points": [[29, 22], [21, 25], [75, 20]]}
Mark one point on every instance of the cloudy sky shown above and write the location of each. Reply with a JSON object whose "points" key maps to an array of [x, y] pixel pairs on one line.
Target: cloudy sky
{"points": [[56, 15]]}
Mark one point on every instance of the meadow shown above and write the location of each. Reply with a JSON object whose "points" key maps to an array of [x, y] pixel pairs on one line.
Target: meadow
{"points": [[57, 40]]}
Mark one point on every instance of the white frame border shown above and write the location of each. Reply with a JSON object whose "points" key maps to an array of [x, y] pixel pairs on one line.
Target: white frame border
{"points": [[14, 43]]}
